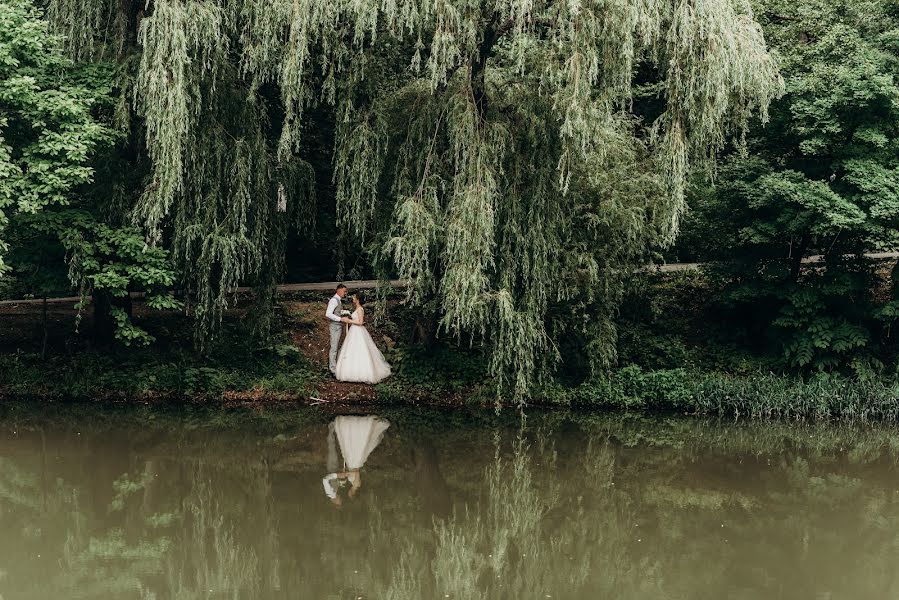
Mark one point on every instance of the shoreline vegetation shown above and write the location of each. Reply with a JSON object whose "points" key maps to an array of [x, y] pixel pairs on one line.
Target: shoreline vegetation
{"points": [[679, 371], [690, 393]]}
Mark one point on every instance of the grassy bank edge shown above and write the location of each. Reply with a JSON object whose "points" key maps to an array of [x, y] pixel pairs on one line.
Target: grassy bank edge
{"points": [[286, 379], [757, 396]]}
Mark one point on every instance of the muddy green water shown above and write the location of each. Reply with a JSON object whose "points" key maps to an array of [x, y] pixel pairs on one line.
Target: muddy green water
{"points": [[113, 503]]}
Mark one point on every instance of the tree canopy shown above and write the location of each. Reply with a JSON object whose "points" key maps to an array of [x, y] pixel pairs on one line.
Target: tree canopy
{"points": [[47, 131], [61, 177], [823, 179], [506, 158]]}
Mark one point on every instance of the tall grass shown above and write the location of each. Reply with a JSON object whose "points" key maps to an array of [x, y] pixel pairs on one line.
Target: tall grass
{"points": [[761, 395]]}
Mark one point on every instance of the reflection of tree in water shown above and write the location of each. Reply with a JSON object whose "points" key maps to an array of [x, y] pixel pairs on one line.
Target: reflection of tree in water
{"points": [[800, 528], [609, 508], [782, 510], [169, 531], [532, 534], [207, 556], [184, 548]]}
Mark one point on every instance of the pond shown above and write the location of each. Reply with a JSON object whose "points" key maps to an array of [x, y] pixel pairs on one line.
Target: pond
{"points": [[155, 503]]}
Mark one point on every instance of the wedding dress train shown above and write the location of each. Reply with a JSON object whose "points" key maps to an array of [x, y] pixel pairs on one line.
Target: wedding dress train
{"points": [[360, 360]]}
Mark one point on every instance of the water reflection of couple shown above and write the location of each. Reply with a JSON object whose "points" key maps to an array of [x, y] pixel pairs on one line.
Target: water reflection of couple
{"points": [[356, 437]]}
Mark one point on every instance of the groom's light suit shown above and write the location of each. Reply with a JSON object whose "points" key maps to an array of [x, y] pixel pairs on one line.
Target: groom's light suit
{"points": [[336, 327]]}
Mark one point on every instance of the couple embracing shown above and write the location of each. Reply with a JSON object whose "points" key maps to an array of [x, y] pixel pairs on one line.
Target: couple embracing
{"points": [[359, 360]]}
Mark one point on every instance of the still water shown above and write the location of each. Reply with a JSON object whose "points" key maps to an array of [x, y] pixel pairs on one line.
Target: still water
{"points": [[405, 504]]}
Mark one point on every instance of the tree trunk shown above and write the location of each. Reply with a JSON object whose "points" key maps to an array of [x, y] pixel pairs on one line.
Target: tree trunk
{"points": [[104, 323], [798, 254], [44, 327], [424, 331], [492, 35]]}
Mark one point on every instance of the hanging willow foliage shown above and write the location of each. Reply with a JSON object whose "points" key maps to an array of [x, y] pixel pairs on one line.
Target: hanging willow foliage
{"points": [[219, 195], [490, 150]]}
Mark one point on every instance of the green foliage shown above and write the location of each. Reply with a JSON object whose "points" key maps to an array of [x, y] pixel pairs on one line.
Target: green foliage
{"points": [[815, 338], [456, 127], [632, 388], [35, 260], [52, 131], [644, 345], [659, 315], [437, 373], [169, 370], [47, 131], [514, 161], [822, 180], [115, 262]]}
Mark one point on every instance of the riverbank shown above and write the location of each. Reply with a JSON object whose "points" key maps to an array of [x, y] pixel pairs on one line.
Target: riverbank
{"points": [[667, 367], [290, 368], [280, 377]]}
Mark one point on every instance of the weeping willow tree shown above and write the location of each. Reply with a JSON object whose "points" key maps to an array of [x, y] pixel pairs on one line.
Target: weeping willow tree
{"points": [[219, 195], [498, 155]]}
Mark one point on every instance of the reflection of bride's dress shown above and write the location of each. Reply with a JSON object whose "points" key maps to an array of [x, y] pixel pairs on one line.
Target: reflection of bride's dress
{"points": [[359, 359], [357, 437]]}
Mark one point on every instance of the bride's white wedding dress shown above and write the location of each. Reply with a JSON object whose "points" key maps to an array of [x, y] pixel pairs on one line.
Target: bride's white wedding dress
{"points": [[359, 359]]}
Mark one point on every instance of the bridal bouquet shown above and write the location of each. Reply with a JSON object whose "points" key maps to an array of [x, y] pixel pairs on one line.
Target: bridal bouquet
{"points": [[345, 313]]}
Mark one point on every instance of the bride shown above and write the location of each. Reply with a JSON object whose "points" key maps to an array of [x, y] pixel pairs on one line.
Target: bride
{"points": [[359, 359]]}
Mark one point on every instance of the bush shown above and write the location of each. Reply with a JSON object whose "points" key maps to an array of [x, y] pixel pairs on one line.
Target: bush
{"points": [[92, 374]]}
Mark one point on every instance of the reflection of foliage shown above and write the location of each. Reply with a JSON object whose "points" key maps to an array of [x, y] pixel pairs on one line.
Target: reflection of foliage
{"points": [[806, 537], [525, 538], [208, 558], [125, 486], [581, 506], [108, 565], [18, 487]]}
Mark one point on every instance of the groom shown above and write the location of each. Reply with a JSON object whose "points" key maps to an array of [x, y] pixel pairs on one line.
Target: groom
{"points": [[335, 305]]}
